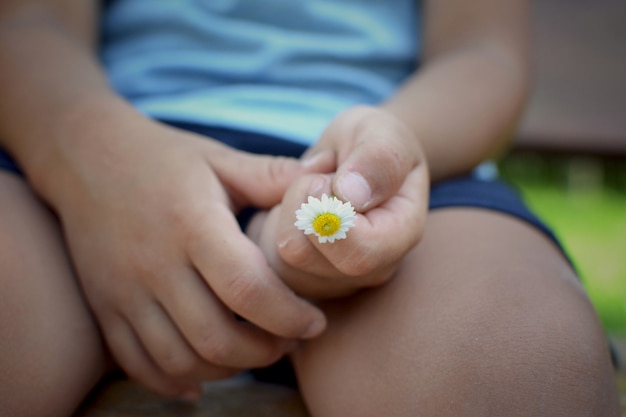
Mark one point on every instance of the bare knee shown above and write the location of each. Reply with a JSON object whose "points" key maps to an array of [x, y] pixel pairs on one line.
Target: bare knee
{"points": [[541, 357], [484, 318], [502, 347]]}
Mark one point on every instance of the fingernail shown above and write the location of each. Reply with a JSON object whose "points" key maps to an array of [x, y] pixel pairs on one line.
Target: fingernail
{"points": [[355, 189], [315, 329]]}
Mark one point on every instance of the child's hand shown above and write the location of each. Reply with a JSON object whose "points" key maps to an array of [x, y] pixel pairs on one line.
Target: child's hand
{"points": [[149, 222], [382, 172]]}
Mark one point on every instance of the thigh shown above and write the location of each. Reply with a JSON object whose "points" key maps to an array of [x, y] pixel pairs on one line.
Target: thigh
{"points": [[50, 350], [484, 317]]}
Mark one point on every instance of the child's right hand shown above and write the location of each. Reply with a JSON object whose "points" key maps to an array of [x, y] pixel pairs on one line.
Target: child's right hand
{"points": [[377, 151], [148, 218]]}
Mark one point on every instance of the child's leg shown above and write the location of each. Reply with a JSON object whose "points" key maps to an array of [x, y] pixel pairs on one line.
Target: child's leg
{"points": [[485, 318], [50, 351]]}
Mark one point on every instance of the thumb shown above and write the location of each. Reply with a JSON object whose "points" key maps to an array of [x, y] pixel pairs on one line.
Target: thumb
{"points": [[261, 180], [373, 172]]}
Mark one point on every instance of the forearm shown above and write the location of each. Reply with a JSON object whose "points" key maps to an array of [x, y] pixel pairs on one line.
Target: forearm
{"points": [[54, 93], [464, 102]]}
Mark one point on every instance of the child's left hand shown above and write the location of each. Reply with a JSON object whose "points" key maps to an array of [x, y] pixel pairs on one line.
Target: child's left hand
{"points": [[381, 170]]}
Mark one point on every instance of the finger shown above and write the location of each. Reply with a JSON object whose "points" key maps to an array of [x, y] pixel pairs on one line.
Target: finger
{"points": [[242, 279], [170, 351], [295, 248], [380, 238], [261, 180], [213, 331], [133, 359], [375, 153], [298, 263], [309, 266], [385, 233]]}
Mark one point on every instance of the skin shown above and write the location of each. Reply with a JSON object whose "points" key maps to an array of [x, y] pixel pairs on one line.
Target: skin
{"points": [[464, 338], [133, 232], [150, 230]]}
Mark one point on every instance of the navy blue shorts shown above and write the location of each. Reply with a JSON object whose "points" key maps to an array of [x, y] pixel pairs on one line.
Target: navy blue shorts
{"points": [[464, 191], [7, 163]]}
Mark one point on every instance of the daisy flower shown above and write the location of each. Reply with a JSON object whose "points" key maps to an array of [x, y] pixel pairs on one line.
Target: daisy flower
{"points": [[329, 218]]}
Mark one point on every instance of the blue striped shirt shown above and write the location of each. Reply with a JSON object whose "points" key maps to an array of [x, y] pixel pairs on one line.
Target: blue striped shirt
{"points": [[278, 67]]}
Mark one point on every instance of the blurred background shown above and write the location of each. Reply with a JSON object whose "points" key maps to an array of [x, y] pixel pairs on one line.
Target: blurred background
{"points": [[569, 158]]}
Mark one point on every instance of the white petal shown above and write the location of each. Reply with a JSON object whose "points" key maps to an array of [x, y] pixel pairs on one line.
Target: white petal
{"points": [[308, 212]]}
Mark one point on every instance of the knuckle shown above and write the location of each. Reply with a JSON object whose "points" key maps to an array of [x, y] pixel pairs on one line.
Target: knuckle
{"points": [[217, 351], [280, 169], [358, 264], [123, 298], [355, 267], [176, 365], [296, 254], [391, 159], [269, 358], [188, 221], [195, 239], [388, 136], [134, 370], [280, 166], [243, 291], [139, 262]]}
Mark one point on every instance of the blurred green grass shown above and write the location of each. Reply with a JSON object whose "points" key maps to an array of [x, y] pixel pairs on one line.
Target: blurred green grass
{"points": [[584, 200]]}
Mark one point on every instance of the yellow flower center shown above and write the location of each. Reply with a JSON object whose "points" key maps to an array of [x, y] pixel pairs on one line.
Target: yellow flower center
{"points": [[326, 224]]}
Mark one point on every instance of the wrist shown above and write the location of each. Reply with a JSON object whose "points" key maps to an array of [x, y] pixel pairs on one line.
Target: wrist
{"points": [[78, 138]]}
